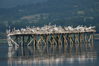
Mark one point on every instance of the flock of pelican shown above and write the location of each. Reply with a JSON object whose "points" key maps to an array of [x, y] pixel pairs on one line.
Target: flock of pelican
{"points": [[49, 29]]}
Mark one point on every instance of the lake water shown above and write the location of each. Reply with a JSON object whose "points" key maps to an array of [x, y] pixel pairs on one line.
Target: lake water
{"points": [[50, 55]]}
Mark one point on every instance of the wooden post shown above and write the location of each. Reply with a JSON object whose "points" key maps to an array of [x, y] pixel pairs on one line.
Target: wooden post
{"points": [[56, 39], [69, 39], [59, 40], [79, 38], [34, 40], [46, 39], [63, 39], [30, 42], [85, 38], [40, 41], [43, 40], [29, 39], [51, 38], [21, 41], [17, 39], [52, 41], [82, 38], [88, 40], [92, 39], [74, 38]]}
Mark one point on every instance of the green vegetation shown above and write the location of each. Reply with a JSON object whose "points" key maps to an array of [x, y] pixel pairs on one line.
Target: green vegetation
{"points": [[60, 12]]}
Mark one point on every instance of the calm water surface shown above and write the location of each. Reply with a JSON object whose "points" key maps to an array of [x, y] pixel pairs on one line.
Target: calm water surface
{"points": [[50, 55]]}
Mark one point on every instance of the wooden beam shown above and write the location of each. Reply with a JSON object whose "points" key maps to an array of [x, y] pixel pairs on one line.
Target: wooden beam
{"points": [[64, 39], [22, 40], [14, 42], [30, 42]]}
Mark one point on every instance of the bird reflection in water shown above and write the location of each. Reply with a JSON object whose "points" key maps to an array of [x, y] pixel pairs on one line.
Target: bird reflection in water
{"points": [[50, 55]]}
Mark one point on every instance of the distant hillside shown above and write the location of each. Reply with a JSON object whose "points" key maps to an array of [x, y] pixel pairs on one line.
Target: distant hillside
{"points": [[61, 12], [56, 9]]}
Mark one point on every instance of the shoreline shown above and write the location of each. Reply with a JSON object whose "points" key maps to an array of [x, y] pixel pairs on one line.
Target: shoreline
{"points": [[3, 40], [96, 34], [96, 38]]}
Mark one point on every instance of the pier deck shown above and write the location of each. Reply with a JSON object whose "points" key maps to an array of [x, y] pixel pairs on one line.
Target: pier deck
{"points": [[51, 33]]}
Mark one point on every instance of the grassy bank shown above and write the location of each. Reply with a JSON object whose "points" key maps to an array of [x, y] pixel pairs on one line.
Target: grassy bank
{"points": [[3, 40]]}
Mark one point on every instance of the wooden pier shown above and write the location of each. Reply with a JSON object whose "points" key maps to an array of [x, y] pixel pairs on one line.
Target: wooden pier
{"points": [[57, 37]]}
